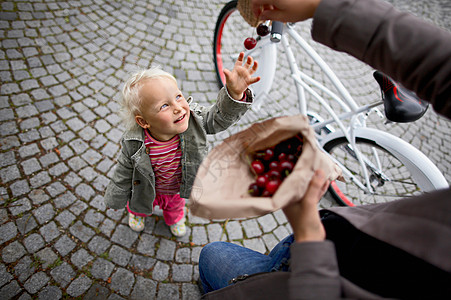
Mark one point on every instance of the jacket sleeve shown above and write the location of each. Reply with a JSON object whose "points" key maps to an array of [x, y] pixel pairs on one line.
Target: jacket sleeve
{"points": [[403, 46], [118, 190], [224, 113], [314, 271]]}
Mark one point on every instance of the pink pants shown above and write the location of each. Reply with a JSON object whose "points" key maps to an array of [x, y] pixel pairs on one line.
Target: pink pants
{"points": [[172, 206]]}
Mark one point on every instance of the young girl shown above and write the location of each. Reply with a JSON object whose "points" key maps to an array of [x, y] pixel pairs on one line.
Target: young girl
{"points": [[165, 141]]}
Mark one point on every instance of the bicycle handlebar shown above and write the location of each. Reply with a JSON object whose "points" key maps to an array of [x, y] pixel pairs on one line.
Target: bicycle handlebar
{"points": [[276, 31]]}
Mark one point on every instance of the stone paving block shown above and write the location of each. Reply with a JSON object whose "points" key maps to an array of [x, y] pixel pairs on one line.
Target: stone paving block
{"points": [[122, 281], [38, 196], [65, 218], [36, 282], [190, 291], [4, 275], [8, 128], [78, 207], [30, 166], [20, 206], [19, 188], [13, 252], [119, 255], [160, 271], [255, 244], [166, 250], [267, 223], [50, 292], [182, 273], [7, 232], [102, 269], [199, 235], [98, 203], [144, 289], [234, 230], [141, 263], [81, 258], [97, 292], [99, 245], [63, 274], [24, 268], [81, 231], [49, 231], [64, 245], [47, 257], [10, 290], [183, 255], [88, 174], [33, 242], [80, 285], [168, 291], [124, 236], [44, 213]]}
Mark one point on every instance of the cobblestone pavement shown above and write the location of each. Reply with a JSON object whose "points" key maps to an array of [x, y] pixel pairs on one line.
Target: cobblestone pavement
{"points": [[61, 67]]}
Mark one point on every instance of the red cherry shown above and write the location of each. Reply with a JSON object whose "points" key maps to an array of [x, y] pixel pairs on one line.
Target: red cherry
{"points": [[262, 29], [269, 154], [274, 165], [272, 186], [261, 181], [282, 156], [250, 43], [274, 174], [287, 165], [254, 190], [258, 167]]}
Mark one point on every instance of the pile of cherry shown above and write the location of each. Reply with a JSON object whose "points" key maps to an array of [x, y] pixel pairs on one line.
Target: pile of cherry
{"points": [[262, 30], [272, 165]]}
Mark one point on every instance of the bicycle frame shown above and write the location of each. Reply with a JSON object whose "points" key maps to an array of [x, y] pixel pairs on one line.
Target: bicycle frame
{"points": [[303, 84]]}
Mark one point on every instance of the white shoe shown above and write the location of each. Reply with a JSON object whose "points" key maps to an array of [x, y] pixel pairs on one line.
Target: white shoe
{"points": [[136, 223], [179, 228]]}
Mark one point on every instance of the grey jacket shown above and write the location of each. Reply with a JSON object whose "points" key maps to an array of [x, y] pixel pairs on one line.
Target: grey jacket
{"points": [[418, 55], [133, 180]]}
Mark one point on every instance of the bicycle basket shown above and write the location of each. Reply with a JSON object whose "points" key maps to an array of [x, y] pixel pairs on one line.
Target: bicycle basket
{"points": [[244, 7]]}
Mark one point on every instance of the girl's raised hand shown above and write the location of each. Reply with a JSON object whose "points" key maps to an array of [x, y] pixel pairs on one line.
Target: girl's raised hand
{"points": [[240, 78]]}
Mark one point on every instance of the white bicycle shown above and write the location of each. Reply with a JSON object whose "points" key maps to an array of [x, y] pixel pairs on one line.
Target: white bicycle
{"points": [[377, 166]]}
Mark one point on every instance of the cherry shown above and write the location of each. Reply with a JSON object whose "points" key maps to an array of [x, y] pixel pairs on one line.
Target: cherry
{"points": [[287, 165], [269, 154], [282, 156], [258, 167], [274, 165], [250, 43], [254, 190], [274, 174], [272, 186], [262, 29], [261, 181]]}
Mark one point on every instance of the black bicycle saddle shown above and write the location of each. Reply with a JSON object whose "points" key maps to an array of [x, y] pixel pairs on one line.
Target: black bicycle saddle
{"points": [[401, 105]]}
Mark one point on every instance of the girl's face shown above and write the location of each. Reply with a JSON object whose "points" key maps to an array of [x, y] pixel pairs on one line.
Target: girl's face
{"points": [[165, 112]]}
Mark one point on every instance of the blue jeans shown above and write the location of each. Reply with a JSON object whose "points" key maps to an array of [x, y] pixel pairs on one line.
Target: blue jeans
{"points": [[219, 262]]}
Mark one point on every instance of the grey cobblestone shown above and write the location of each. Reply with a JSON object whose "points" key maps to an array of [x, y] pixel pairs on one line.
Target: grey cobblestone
{"points": [[62, 66]]}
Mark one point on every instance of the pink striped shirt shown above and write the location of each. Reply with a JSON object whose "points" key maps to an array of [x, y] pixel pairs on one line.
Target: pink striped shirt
{"points": [[165, 158]]}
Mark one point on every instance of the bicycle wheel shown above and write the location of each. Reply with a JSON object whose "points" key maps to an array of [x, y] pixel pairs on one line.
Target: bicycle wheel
{"points": [[230, 32], [226, 45], [391, 181]]}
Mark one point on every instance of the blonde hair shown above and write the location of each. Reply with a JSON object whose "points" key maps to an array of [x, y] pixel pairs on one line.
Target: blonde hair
{"points": [[131, 101]]}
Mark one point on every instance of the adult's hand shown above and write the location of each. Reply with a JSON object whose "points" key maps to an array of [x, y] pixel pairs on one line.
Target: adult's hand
{"points": [[303, 215], [284, 10]]}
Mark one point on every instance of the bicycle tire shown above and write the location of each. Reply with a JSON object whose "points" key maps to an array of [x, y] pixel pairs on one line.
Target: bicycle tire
{"points": [[401, 184], [220, 64]]}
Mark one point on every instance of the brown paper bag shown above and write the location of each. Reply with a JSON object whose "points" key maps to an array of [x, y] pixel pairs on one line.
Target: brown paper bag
{"points": [[220, 189]]}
